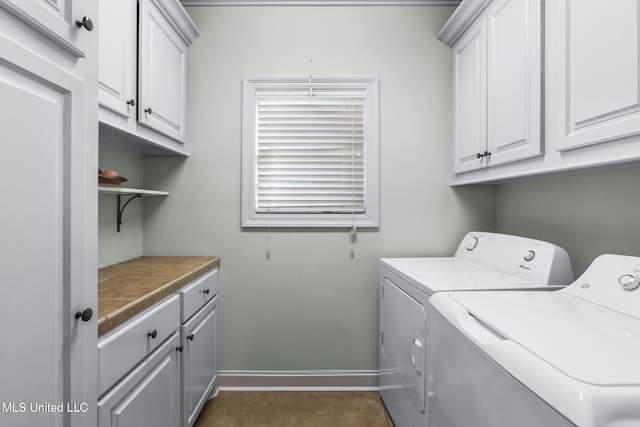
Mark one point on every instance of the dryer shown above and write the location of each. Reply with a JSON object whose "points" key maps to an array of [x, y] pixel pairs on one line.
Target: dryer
{"points": [[482, 261], [563, 358]]}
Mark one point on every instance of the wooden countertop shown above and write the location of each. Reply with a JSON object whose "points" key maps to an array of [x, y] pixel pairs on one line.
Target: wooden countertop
{"points": [[127, 288]]}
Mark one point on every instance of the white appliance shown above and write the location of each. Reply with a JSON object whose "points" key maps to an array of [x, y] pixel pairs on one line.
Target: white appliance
{"points": [[569, 357], [483, 261]]}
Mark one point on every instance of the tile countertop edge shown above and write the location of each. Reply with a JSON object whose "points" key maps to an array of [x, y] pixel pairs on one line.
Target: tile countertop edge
{"points": [[165, 277]]}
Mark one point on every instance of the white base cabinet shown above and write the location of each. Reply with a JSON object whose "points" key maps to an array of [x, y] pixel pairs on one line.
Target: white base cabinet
{"points": [[199, 361], [150, 395], [158, 368]]}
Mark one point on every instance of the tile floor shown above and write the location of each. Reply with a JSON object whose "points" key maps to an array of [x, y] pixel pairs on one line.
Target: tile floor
{"points": [[299, 409]]}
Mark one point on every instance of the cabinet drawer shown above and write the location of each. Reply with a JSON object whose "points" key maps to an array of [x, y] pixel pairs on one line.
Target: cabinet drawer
{"points": [[126, 346], [198, 293]]}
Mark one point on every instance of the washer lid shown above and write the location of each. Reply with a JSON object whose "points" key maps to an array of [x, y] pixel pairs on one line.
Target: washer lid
{"points": [[451, 274], [583, 340]]}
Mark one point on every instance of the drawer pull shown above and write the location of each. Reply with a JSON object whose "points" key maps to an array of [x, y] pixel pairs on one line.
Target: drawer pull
{"points": [[206, 291], [153, 334], [190, 337]]}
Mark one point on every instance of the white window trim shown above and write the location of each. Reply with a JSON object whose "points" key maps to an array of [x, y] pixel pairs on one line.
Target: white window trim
{"points": [[370, 217]]}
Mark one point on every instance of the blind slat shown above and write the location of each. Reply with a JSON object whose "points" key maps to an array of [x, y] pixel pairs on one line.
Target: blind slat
{"points": [[310, 154]]}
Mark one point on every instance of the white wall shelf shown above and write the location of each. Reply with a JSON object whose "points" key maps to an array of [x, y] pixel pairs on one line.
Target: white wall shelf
{"points": [[123, 191]]}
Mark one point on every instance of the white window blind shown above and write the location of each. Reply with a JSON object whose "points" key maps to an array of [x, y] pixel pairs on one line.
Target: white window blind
{"points": [[310, 154]]}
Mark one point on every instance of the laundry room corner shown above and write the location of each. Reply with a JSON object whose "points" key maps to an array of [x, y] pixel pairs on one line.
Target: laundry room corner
{"points": [[588, 212]]}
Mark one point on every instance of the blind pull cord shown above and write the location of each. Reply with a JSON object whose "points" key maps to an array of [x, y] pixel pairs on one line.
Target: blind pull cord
{"points": [[268, 252], [310, 87], [354, 230]]}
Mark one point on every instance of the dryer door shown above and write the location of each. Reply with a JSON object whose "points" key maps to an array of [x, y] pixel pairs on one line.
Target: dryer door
{"points": [[403, 344]]}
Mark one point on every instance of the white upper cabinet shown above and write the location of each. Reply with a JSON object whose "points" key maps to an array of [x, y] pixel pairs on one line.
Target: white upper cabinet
{"points": [[117, 86], [63, 21], [162, 79], [597, 59], [514, 74], [585, 115], [470, 93], [497, 84], [143, 75]]}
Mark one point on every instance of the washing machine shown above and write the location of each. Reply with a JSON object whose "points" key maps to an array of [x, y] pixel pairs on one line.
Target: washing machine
{"points": [[565, 358], [482, 261]]}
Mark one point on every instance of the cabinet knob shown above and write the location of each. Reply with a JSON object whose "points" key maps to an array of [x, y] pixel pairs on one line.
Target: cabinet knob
{"points": [[180, 348], [148, 110], [87, 23], [85, 315], [190, 337], [478, 156], [153, 334], [131, 102], [486, 153], [206, 292]]}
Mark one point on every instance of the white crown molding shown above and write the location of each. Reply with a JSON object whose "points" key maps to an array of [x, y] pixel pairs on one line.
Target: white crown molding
{"points": [[179, 18], [463, 16], [320, 2]]}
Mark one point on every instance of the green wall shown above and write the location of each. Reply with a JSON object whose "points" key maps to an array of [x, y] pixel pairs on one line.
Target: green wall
{"points": [[311, 306], [588, 213], [114, 247]]}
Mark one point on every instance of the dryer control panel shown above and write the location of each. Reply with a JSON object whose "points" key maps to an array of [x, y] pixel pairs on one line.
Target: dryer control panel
{"points": [[535, 260]]}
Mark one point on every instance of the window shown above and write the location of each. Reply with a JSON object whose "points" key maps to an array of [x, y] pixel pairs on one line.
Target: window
{"points": [[310, 152]]}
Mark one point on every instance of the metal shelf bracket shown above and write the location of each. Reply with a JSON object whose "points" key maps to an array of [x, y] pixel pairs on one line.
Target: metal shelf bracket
{"points": [[121, 209]]}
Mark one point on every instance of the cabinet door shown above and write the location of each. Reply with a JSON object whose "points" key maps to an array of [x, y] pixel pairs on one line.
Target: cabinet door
{"points": [[514, 80], [469, 98], [599, 54], [200, 362], [162, 78], [149, 396], [48, 250], [117, 67], [55, 19]]}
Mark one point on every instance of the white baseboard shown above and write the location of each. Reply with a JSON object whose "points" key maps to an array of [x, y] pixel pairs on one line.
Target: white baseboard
{"points": [[298, 380]]}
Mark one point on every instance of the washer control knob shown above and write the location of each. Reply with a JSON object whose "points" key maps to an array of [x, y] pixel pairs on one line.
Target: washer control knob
{"points": [[629, 282], [471, 243], [530, 256]]}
